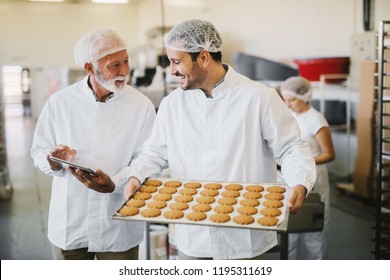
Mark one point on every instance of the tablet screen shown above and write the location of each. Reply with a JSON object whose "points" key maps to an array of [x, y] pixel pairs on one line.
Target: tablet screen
{"points": [[73, 165]]}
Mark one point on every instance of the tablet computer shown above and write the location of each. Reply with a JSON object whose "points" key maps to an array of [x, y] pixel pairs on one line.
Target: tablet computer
{"points": [[74, 165]]}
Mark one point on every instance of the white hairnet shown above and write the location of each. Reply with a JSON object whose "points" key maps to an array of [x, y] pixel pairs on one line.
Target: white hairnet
{"points": [[194, 36], [96, 45], [298, 87]]}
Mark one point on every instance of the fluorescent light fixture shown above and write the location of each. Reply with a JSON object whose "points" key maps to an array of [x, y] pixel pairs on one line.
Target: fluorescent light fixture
{"points": [[56, 1], [110, 1]]}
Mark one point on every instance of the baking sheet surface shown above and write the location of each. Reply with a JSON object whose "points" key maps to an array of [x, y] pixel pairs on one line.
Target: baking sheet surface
{"points": [[280, 226]]}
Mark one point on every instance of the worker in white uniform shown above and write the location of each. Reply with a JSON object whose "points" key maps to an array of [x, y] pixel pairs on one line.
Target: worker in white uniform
{"points": [[221, 126], [297, 93], [99, 122]]}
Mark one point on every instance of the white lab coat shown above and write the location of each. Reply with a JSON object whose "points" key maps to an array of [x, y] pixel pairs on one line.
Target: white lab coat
{"points": [[106, 136], [238, 135]]}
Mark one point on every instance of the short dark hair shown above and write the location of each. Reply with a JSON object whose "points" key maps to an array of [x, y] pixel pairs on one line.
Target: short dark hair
{"points": [[217, 56]]}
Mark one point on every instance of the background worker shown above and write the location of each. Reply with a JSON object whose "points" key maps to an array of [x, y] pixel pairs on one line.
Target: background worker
{"points": [[297, 93]]}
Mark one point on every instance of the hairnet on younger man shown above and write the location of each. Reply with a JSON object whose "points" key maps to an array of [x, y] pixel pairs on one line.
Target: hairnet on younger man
{"points": [[194, 36], [298, 87], [96, 45]]}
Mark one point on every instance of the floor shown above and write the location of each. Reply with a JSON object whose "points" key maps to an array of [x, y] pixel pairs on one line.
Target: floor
{"points": [[23, 218]]}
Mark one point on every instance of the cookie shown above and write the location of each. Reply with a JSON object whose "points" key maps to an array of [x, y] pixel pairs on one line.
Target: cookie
{"points": [[254, 188], [270, 212], [184, 198], [152, 182], [249, 202], [252, 195], [227, 201], [226, 209], [273, 203], [135, 203], [141, 196], [196, 216], [173, 214], [205, 199], [267, 221], [209, 192], [246, 210], [150, 212], [129, 211], [162, 197], [157, 204], [179, 206], [274, 196], [192, 185], [219, 218], [188, 191], [234, 187], [213, 186], [276, 189], [148, 189], [243, 219], [173, 184], [231, 194], [201, 207], [168, 190]]}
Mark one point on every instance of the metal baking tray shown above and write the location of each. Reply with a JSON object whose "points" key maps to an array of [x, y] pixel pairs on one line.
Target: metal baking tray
{"points": [[280, 226]]}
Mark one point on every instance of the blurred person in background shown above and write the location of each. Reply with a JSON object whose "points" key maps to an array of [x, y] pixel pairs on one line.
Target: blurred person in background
{"points": [[101, 123], [297, 93]]}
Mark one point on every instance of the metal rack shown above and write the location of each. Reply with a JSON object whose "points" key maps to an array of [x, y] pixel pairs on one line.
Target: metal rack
{"points": [[382, 197]]}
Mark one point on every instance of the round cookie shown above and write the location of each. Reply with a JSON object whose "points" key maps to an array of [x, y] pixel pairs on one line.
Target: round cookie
{"points": [[231, 194], [213, 186], [152, 182], [267, 221], [227, 201], [246, 210], [179, 206], [173, 214], [128, 211], [243, 219], [148, 189], [276, 189], [184, 198], [188, 191], [273, 203], [205, 199], [249, 202], [151, 212], [209, 192], [254, 188], [201, 207], [196, 216], [157, 204], [192, 185], [226, 209], [270, 212], [162, 197], [274, 196], [173, 184], [219, 218], [234, 187], [252, 195], [135, 203], [141, 196], [168, 190]]}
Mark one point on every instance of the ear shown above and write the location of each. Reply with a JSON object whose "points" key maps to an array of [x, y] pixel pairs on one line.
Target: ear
{"points": [[88, 67], [204, 57]]}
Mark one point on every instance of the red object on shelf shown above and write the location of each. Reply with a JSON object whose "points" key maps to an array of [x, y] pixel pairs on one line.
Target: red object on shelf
{"points": [[313, 68]]}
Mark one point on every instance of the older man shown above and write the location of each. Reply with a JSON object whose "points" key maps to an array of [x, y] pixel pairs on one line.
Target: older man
{"points": [[101, 123]]}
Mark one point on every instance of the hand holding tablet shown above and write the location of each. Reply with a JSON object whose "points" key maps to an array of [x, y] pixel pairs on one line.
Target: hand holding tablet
{"points": [[73, 165]]}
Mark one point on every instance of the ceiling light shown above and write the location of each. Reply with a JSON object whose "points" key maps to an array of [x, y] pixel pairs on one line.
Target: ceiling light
{"points": [[110, 1], [57, 1]]}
